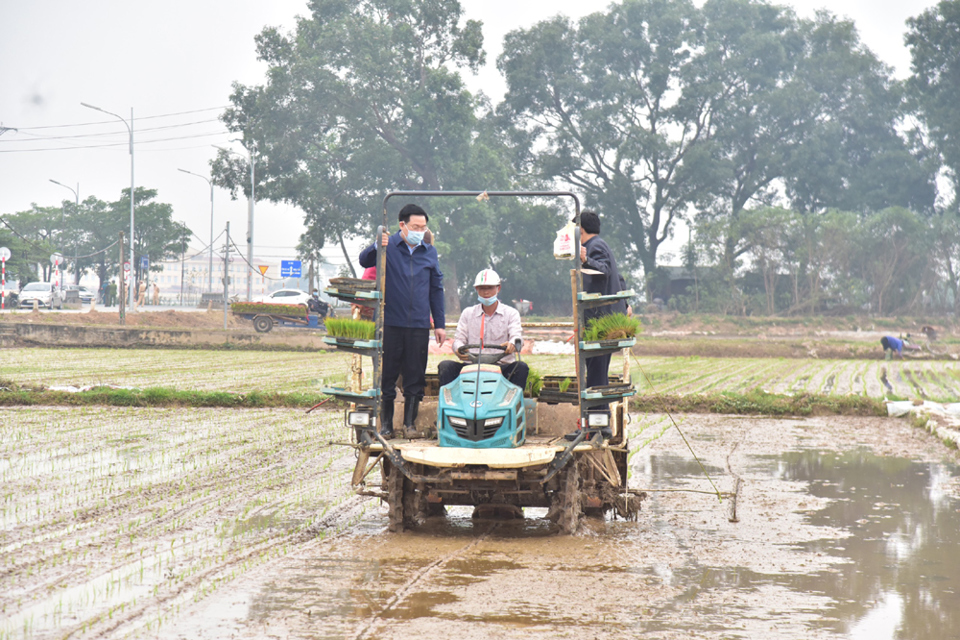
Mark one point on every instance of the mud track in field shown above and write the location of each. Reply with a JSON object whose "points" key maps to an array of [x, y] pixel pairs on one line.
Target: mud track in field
{"points": [[684, 570]]}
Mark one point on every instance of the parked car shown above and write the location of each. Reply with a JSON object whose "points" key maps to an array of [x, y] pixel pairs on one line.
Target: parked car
{"points": [[286, 296], [11, 295], [85, 294], [45, 293]]}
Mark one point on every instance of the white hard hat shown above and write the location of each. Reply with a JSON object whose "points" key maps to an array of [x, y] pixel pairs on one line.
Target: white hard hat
{"points": [[486, 277]]}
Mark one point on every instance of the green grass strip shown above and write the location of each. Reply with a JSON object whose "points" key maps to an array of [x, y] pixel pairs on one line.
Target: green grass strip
{"points": [[160, 397], [757, 402]]}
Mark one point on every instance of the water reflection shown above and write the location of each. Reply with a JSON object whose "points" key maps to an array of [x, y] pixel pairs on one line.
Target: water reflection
{"points": [[902, 581]]}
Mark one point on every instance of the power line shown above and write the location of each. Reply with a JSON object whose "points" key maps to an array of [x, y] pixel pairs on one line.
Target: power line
{"points": [[40, 138], [116, 144], [87, 124]]}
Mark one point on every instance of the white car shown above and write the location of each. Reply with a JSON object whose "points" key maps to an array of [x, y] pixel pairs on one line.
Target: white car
{"points": [[286, 296], [45, 293]]}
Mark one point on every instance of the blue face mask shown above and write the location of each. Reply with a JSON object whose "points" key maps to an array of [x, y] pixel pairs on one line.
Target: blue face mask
{"points": [[487, 301], [414, 238]]}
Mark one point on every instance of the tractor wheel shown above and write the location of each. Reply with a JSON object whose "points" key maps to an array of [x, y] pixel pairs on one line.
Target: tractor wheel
{"points": [[414, 505], [396, 484], [262, 324], [569, 503]]}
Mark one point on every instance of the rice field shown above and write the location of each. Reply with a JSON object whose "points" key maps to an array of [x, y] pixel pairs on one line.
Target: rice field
{"points": [[271, 371], [110, 514], [112, 519]]}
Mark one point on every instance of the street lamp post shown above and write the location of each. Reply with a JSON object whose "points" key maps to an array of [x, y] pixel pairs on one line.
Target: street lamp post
{"points": [[250, 205], [76, 195], [132, 237], [210, 271]]}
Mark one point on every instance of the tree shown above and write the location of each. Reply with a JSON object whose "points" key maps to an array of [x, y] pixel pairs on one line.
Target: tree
{"points": [[611, 109], [852, 155], [893, 258], [362, 98], [933, 38]]}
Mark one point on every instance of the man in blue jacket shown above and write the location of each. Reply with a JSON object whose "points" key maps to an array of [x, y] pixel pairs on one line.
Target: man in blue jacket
{"points": [[414, 292]]}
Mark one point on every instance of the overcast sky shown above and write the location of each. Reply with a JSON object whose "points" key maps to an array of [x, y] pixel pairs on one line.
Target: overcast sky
{"points": [[173, 62]]}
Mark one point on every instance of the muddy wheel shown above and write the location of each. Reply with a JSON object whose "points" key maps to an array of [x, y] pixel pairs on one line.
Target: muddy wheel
{"points": [[413, 505], [568, 500], [262, 324], [395, 500]]}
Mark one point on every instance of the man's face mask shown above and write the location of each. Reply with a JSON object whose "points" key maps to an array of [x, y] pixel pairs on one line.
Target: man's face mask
{"points": [[415, 237]]}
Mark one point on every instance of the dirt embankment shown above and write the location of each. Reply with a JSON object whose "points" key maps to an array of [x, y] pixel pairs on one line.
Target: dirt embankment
{"points": [[169, 319]]}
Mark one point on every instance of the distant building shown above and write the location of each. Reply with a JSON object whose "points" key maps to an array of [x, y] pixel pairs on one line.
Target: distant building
{"points": [[184, 281]]}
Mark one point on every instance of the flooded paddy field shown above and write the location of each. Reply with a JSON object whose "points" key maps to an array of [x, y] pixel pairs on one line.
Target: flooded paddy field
{"points": [[201, 523], [243, 371]]}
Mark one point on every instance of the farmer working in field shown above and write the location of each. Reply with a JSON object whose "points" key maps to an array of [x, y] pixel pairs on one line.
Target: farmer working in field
{"points": [[414, 292], [596, 256], [891, 344], [489, 323]]}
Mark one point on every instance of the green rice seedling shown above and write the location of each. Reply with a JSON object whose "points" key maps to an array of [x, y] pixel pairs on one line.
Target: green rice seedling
{"points": [[534, 383], [350, 328], [565, 384], [611, 327]]}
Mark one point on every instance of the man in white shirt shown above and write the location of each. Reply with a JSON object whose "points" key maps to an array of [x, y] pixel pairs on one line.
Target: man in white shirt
{"points": [[488, 323]]}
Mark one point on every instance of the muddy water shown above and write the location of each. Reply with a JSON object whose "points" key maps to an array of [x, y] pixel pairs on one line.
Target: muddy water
{"points": [[844, 528]]}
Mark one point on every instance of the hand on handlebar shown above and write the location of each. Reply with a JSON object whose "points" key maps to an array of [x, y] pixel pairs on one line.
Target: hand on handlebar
{"points": [[509, 347]]}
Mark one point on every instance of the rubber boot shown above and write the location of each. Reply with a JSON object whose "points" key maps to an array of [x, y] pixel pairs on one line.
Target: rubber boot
{"points": [[386, 419], [410, 408]]}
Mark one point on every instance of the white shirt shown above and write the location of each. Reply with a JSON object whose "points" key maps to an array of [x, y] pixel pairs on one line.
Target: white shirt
{"points": [[502, 326]]}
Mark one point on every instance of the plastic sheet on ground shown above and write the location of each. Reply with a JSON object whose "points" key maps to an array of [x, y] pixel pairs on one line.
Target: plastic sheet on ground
{"points": [[949, 411], [552, 348]]}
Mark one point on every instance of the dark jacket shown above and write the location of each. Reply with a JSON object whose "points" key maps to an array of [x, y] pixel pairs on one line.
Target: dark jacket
{"points": [[414, 285], [600, 258]]}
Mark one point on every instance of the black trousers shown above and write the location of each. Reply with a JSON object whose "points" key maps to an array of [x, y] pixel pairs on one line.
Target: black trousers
{"points": [[404, 352], [597, 369], [515, 372]]}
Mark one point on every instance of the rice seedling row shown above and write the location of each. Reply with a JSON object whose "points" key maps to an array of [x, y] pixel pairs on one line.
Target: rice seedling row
{"points": [[102, 509]]}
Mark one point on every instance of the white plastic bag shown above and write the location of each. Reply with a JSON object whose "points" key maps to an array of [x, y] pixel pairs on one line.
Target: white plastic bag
{"points": [[563, 246]]}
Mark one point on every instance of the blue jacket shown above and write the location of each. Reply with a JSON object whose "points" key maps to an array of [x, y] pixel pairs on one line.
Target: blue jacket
{"points": [[414, 285]]}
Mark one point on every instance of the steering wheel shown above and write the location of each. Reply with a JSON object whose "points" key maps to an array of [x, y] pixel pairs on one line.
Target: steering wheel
{"points": [[483, 358]]}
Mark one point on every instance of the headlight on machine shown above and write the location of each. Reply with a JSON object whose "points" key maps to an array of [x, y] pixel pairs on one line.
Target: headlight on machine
{"points": [[457, 422], [493, 422], [508, 399], [358, 419], [598, 419], [447, 397]]}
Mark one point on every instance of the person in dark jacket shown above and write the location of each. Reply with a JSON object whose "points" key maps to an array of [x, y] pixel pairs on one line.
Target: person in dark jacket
{"points": [[413, 292], [603, 278]]}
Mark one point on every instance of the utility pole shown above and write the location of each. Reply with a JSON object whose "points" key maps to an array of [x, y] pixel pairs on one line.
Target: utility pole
{"points": [[183, 266], [226, 274], [132, 183], [76, 211], [123, 316]]}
